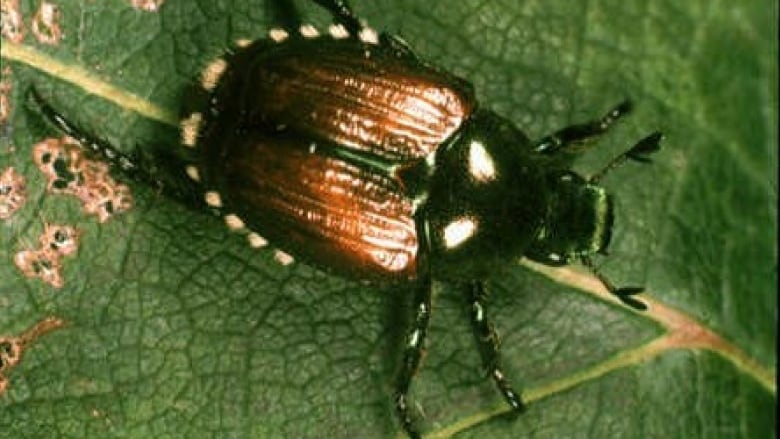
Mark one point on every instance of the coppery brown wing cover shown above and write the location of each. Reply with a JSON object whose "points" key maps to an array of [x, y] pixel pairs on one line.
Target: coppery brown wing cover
{"points": [[328, 211], [367, 98], [293, 108]]}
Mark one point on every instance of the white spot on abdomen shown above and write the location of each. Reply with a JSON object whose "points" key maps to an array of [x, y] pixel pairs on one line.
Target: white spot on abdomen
{"points": [[212, 73], [213, 199], [338, 31], [278, 35], [189, 129], [256, 241], [234, 222], [309, 31], [283, 258], [368, 35], [193, 173]]}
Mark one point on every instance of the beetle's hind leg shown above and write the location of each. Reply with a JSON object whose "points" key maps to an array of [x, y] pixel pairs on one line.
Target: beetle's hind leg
{"points": [[115, 158], [488, 344], [568, 139], [140, 166], [342, 14]]}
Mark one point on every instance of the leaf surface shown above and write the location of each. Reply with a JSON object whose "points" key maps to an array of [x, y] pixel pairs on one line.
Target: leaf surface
{"points": [[178, 329]]}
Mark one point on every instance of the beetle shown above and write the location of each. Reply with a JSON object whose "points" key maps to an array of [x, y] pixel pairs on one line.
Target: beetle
{"points": [[351, 153]]}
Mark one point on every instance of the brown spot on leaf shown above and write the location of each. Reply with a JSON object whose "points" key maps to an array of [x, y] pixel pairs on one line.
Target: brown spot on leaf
{"points": [[11, 23], [42, 265], [69, 171], [103, 197], [5, 108], [45, 262], [12, 347], [62, 240], [46, 24], [5, 90], [12, 193], [10, 351], [147, 5]]}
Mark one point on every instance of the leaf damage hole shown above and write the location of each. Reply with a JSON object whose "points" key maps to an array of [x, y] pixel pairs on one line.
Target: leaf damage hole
{"points": [[45, 262], [12, 347], [69, 171], [46, 24], [12, 193], [11, 23]]}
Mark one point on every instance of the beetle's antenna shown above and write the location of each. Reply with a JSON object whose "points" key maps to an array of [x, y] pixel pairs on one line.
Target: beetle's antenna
{"points": [[625, 294], [638, 152]]}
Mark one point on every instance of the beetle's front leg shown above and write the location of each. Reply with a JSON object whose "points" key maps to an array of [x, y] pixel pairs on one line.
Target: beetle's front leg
{"points": [[568, 139], [487, 341]]}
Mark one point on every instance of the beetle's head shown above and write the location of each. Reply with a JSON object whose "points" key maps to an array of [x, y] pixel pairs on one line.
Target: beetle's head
{"points": [[577, 223], [578, 219]]}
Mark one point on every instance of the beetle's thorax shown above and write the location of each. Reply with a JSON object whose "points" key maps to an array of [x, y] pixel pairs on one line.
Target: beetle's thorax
{"points": [[486, 198]]}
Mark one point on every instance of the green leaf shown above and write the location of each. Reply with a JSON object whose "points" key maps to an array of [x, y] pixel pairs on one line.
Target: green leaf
{"points": [[176, 328]]}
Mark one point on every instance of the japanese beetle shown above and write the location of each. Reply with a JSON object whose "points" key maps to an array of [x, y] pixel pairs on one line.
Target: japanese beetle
{"points": [[352, 154]]}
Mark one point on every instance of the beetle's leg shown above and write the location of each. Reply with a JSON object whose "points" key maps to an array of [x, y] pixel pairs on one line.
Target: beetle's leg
{"points": [[488, 343], [137, 167], [397, 44], [342, 14], [104, 149], [624, 294], [415, 339], [639, 152], [569, 138], [413, 352], [284, 14]]}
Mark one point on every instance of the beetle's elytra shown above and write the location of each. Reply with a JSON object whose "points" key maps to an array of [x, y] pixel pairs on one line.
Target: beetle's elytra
{"points": [[349, 152], [329, 183]]}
